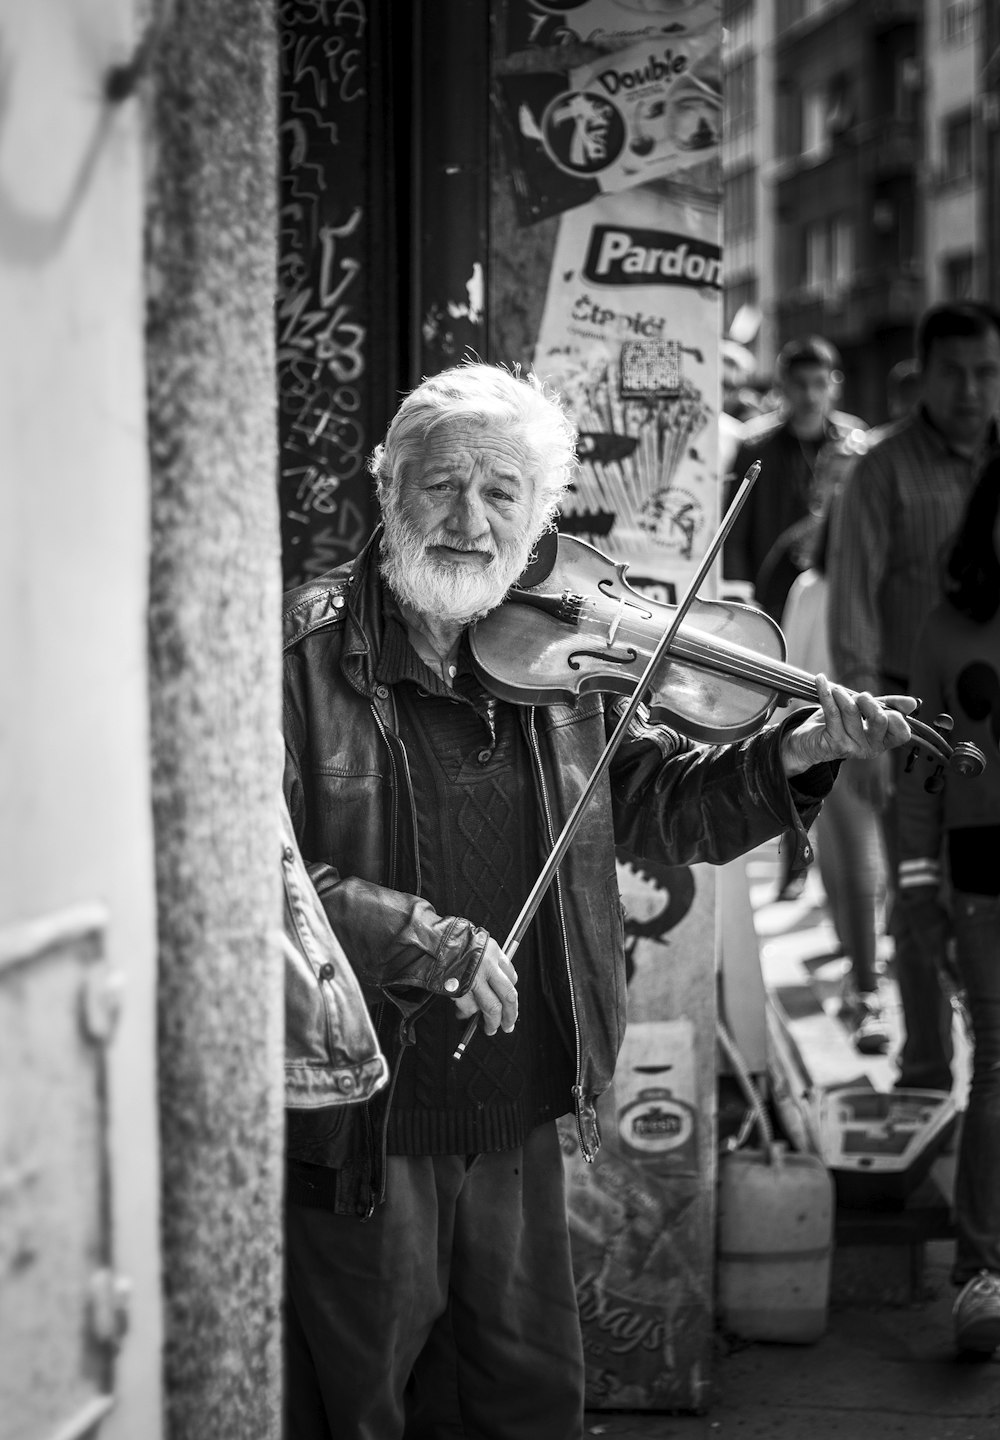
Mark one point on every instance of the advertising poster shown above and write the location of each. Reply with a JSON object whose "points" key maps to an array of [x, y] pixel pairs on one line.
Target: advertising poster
{"points": [[611, 116], [628, 335], [608, 282]]}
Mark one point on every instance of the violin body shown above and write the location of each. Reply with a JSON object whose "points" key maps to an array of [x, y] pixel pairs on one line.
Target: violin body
{"points": [[574, 625], [584, 628]]}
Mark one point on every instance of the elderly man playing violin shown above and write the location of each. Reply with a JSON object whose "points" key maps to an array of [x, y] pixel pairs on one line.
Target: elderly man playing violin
{"points": [[429, 1285]]}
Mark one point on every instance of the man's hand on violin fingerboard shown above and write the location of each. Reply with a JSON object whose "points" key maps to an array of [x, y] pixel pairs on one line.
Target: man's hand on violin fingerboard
{"points": [[846, 727]]}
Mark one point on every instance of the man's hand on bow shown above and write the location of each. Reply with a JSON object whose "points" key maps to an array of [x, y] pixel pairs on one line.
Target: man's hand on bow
{"points": [[493, 993]]}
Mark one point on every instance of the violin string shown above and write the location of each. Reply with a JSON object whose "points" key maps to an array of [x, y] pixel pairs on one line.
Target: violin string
{"points": [[726, 659], [696, 646]]}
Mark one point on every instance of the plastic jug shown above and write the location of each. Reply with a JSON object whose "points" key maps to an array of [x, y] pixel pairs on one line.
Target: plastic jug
{"points": [[775, 1244]]}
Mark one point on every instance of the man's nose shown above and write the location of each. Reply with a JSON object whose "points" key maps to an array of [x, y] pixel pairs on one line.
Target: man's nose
{"points": [[968, 385], [468, 515]]}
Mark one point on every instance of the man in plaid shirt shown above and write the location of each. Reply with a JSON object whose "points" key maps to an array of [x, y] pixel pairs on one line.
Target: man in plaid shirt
{"points": [[891, 524]]}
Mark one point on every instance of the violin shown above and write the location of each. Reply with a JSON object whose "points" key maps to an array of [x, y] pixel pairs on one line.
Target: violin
{"points": [[573, 624]]}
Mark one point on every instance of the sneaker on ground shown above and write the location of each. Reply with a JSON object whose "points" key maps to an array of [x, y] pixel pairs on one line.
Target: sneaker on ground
{"points": [[976, 1314], [871, 1034]]}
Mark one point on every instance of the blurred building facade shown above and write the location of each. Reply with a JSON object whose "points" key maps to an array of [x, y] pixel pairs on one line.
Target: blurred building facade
{"points": [[860, 162]]}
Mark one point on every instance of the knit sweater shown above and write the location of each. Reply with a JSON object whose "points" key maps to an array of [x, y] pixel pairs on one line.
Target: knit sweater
{"points": [[478, 854]]}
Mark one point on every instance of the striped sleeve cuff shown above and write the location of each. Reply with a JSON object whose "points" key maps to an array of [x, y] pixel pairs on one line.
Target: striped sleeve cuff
{"points": [[916, 873]]}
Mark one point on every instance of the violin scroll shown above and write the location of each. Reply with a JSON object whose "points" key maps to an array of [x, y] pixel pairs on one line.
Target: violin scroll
{"points": [[965, 758]]}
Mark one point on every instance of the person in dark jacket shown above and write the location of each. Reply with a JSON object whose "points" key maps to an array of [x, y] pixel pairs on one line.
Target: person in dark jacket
{"points": [[429, 1283], [954, 833], [896, 515], [790, 492]]}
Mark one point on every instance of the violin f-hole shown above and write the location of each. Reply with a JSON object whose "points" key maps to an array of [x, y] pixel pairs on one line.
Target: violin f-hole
{"points": [[578, 656]]}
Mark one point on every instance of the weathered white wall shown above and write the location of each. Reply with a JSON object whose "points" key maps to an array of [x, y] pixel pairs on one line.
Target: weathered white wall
{"points": [[74, 789]]}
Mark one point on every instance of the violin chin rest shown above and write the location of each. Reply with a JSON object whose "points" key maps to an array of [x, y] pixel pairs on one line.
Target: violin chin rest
{"points": [[541, 561]]}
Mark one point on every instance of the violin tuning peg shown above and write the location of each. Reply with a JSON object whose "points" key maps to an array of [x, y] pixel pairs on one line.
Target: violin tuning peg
{"points": [[911, 760], [934, 783], [943, 724]]}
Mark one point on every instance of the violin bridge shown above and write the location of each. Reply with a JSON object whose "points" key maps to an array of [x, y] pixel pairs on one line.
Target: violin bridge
{"points": [[616, 620]]}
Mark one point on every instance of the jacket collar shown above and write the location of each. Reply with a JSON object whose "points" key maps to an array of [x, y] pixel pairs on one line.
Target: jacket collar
{"points": [[364, 624], [349, 596]]}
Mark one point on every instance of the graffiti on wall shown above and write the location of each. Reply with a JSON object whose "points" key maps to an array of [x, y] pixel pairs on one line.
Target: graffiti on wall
{"points": [[323, 254]]}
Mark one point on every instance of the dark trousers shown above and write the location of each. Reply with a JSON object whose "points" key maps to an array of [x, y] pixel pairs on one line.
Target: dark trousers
{"points": [[921, 962], [977, 1180], [451, 1313]]}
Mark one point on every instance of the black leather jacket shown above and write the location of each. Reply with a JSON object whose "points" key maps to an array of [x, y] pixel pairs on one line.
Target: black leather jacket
{"points": [[347, 784]]}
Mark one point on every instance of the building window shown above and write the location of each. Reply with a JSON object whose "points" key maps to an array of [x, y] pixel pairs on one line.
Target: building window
{"points": [[740, 206], [829, 255], [960, 276], [958, 22], [742, 295], [787, 120], [740, 96], [790, 12], [815, 130], [841, 254], [816, 255], [737, 20], [956, 148]]}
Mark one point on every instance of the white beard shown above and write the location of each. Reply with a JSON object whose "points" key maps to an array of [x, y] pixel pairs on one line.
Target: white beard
{"points": [[434, 587]]}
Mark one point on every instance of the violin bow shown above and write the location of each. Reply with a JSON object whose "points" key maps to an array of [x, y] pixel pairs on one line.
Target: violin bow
{"points": [[572, 823]]}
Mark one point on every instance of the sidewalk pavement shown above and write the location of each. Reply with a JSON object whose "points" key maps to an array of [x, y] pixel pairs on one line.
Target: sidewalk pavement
{"points": [[881, 1370]]}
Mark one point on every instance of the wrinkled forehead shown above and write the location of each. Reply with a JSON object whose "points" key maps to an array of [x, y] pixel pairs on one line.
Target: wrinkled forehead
{"points": [[465, 443]]}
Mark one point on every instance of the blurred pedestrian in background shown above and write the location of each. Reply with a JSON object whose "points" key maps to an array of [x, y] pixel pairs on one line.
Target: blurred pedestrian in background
{"points": [[902, 389], [788, 444], [956, 667], [792, 552], [770, 538], [899, 508], [846, 832]]}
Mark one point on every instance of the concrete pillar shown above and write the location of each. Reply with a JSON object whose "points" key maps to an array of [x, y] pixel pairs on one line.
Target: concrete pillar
{"points": [[215, 707]]}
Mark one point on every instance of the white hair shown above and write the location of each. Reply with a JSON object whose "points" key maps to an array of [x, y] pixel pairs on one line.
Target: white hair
{"points": [[493, 398]]}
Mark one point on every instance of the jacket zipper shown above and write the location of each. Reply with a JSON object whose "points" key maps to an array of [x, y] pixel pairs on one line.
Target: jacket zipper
{"points": [[379, 1166], [582, 1105], [394, 833], [377, 1149]]}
